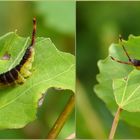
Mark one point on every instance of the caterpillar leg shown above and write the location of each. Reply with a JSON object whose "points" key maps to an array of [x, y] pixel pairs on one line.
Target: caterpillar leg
{"points": [[20, 79], [25, 69]]}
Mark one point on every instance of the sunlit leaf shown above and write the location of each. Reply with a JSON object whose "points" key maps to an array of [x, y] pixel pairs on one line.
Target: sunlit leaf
{"points": [[127, 93], [51, 68], [111, 70]]}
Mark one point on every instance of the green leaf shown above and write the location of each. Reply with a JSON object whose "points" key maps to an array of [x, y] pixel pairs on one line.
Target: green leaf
{"points": [[58, 15], [127, 93], [51, 68], [7, 45], [111, 70]]}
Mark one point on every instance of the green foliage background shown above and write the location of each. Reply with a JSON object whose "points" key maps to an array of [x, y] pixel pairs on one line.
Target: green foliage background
{"points": [[99, 25], [18, 15]]}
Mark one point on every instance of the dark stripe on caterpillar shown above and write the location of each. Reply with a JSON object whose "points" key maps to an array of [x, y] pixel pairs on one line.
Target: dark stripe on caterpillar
{"points": [[26, 56], [12, 75], [9, 76], [3, 79]]}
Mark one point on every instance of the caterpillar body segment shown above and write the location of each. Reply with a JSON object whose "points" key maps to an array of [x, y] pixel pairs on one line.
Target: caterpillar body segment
{"points": [[20, 72]]}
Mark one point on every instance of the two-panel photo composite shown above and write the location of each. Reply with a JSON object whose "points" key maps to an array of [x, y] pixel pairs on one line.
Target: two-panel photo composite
{"points": [[70, 70]]}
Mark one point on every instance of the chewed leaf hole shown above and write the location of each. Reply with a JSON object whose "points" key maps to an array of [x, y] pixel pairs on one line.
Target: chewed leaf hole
{"points": [[6, 56]]}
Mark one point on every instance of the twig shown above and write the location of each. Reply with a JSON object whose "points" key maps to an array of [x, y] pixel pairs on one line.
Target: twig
{"points": [[115, 124], [62, 119]]}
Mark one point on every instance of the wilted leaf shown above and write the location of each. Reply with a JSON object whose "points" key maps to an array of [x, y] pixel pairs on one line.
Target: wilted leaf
{"points": [[51, 68]]}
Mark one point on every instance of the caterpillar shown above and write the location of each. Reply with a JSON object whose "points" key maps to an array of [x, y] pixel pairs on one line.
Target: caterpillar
{"points": [[20, 72]]}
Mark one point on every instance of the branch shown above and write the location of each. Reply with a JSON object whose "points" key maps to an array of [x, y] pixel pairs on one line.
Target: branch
{"points": [[62, 119], [115, 124]]}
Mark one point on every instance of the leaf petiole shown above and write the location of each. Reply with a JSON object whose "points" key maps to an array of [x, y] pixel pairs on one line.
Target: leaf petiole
{"points": [[115, 124]]}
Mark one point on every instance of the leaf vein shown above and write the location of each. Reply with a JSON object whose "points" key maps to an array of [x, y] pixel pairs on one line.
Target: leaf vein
{"points": [[36, 85]]}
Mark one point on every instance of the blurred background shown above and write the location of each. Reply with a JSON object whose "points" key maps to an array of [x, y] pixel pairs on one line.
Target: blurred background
{"points": [[98, 25], [55, 20]]}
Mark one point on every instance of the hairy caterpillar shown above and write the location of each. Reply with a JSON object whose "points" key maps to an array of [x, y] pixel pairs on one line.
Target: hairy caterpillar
{"points": [[20, 72]]}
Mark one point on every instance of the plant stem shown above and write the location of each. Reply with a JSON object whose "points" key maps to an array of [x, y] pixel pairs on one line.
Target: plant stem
{"points": [[115, 123], [62, 119]]}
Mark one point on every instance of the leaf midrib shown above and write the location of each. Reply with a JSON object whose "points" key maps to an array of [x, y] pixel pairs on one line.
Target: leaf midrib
{"points": [[130, 96], [125, 102], [23, 48]]}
